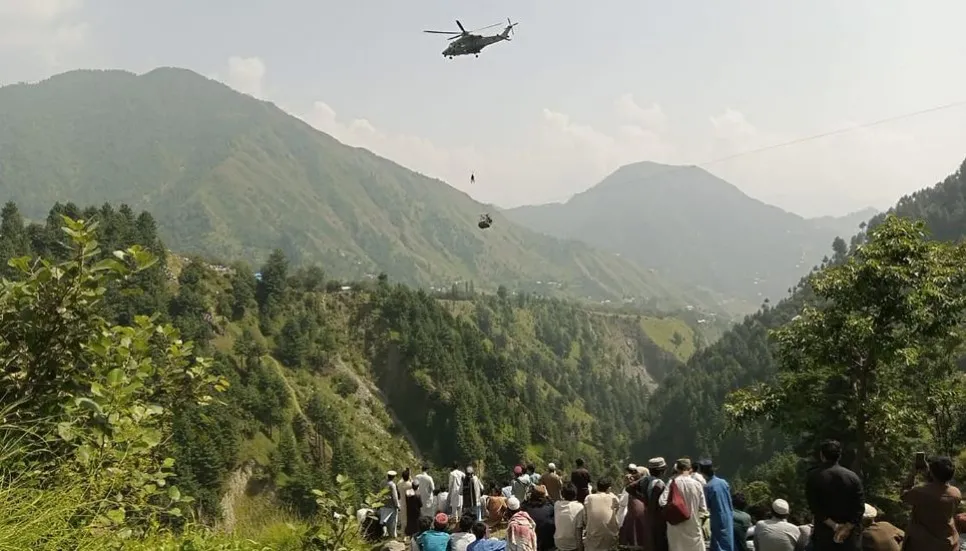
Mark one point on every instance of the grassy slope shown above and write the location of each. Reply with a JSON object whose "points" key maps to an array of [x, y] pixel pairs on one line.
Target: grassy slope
{"points": [[232, 177]]}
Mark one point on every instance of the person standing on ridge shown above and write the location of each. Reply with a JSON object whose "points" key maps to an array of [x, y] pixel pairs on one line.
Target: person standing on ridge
{"points": [[402, 488], [688, 534], [521, 484], [837, 501], [580, 477], [717, 495], [426, 489], [472, 495], [654, 488], [392, 509], [552, 482], [456, 477]]}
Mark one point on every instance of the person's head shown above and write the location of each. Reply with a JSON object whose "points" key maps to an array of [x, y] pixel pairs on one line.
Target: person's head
{"points": [[830, 451], [657, 466], [508, 483], [391, 475], [538, 494], [579, 463], [469, 471], [531, 469], [415, 485], [632, 469], [706, 468], [405, 474], [739, 502], [518, 470], [551, 467], [604, 484], [425, 468], [423, 524], [466, 523], [440, 522], [455, 466], [569, 492], [682, 466], [436, 492], [479, 530], [513, 504], [779, 509], [941, 469]]}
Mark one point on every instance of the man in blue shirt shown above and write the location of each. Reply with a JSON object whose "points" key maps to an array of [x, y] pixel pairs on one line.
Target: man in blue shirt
{"points": [[717, 493]]}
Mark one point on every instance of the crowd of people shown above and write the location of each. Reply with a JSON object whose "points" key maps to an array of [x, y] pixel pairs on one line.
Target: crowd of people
{"points": [[690, 508]]}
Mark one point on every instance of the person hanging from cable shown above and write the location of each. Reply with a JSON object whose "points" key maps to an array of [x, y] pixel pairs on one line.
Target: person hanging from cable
{"points": [[472, 178]]}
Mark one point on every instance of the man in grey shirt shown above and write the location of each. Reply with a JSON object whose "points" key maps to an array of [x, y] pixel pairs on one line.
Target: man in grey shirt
{"points": [[776, 533]]}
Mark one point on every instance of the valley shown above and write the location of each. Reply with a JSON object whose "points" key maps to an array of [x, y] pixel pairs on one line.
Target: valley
{"points": [[250, 309]]}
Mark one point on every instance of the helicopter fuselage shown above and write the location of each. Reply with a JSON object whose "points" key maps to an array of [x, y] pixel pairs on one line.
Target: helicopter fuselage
{"points": [[471, 44]]}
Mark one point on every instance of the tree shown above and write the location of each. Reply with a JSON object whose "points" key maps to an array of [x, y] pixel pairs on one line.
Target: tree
{"points": [[855, 365], [101, 398]]}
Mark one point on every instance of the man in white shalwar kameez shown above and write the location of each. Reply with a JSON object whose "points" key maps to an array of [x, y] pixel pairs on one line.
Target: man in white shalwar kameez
{"points": [[426, 489], [456, 477], [688, 535]]}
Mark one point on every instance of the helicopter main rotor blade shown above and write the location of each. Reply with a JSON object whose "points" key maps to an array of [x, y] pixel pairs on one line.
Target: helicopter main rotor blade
{"points": [[443, 32], [486, 27], [460, 25]]}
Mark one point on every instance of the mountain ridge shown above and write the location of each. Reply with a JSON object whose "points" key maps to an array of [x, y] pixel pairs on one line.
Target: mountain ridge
{"points": [[700, 229], [231, 176]]}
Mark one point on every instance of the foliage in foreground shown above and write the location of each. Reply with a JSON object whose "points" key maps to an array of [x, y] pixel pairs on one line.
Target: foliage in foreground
{"points": [[872, 362]]}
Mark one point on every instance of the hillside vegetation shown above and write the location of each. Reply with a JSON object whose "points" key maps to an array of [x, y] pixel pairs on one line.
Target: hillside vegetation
{"points": [[232, 177], [694, 227], [686, 410], [320, 377]]}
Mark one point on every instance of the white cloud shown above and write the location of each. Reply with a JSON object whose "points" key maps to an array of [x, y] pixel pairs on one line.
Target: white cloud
{"points": [[246, 74], [48, 29], [560, 156]]}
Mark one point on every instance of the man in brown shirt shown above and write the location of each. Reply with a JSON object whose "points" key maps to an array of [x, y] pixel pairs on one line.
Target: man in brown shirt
{"points": [[934, 504], [552, 482], [879, 536]]}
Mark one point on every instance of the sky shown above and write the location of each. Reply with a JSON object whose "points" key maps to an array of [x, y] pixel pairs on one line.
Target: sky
{"points": [[580, 90]]}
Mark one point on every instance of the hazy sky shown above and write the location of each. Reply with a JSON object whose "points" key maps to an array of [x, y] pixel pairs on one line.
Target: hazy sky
{"points": [[582, 88]]}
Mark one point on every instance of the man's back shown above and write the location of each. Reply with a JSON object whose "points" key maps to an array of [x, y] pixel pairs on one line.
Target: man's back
{"points": [[776, 535], [834, 492]]}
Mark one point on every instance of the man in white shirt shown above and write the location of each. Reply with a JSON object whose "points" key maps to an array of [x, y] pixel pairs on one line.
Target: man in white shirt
{"points": [[426, 488], [391, 514], [456, 477], [776, 533], [565, 515]]}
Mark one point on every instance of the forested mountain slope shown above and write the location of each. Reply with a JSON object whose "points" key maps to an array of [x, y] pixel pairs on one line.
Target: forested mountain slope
{"points": [[330, 376], [686, 410], [692, 225], [233, 177]]}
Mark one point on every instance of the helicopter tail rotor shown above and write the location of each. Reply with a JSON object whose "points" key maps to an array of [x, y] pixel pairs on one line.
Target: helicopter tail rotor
{"points": [[509, 28]]}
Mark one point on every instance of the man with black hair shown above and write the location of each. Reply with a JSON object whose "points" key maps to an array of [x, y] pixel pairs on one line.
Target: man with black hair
{"points": [[565, 515], [580, 477], [742, 521], [717, 494], [934, 506], [598, 522], [837, 501]]}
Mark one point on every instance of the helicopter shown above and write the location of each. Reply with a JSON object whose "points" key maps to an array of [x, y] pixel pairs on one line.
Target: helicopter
{"points": [[465, 42]]}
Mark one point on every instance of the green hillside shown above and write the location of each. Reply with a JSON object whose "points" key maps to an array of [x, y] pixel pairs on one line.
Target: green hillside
{"points": [[232, 177], [330, 377], [694, 227], [686, 412]]}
